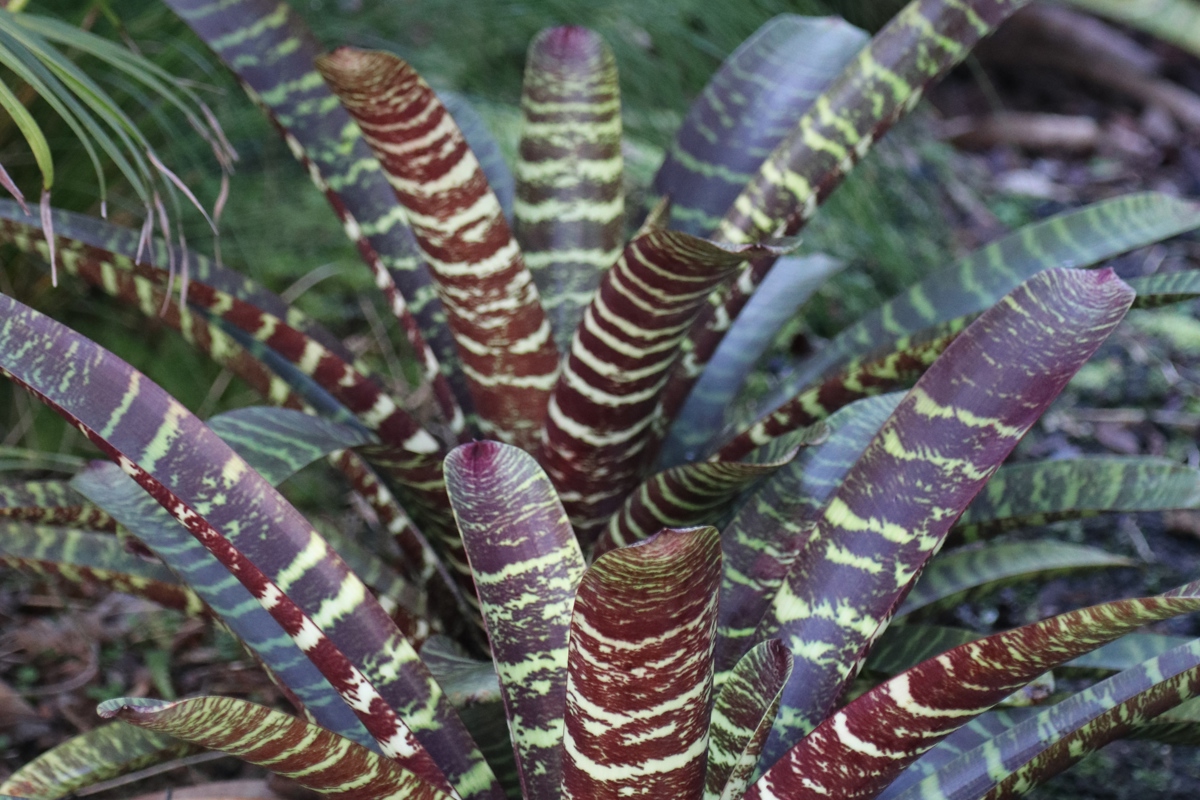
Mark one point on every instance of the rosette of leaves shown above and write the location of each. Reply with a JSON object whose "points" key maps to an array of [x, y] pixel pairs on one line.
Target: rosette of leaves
{"points": [[667, 608]]}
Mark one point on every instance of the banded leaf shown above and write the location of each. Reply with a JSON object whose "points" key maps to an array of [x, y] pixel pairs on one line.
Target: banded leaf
{"points": [[937, 450], [747, 108], [1043, 745], [1078, 238], [968, 571], [51, 503], [315, 598], [762, 540], [1037, 493], [311, 756], [640, 669], [91, 757], [485, 147], [527, 566], [696, 494], [570, 210], [702, 417], [863, 747], [84, 557], [492, 306], [597, 427], [882, 83], [272, 52], [741, 718]]}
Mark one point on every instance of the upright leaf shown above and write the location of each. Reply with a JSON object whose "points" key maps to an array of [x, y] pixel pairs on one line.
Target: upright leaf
{"points": [[936, 451], [491, 303], [527, 566], [640, 669], [570, 210]]}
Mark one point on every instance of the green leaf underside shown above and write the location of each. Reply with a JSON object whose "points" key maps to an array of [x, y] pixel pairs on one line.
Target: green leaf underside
{"points": [[881, 84], [492, 307], [597, 426], [866, 745], [272, 52], [640, 669], [1021, 495], [936, 451], [91, 757], [465, 680], [275, 443], [85, 557], [527, 566], [312, 756], [747, 108], [761, 541], [326, 608], [954, 575], [741, 718], [1045, 744], [1078, 238], [696, 494], [570, 209]]}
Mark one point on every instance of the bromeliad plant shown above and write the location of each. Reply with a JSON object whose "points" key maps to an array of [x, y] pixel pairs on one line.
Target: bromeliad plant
{"points": [[683, 662]]}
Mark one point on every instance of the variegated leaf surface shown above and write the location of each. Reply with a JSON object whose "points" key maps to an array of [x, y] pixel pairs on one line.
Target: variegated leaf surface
{"points": [[85, 557], [882, 83], [598, 423], [527, 566], [91, 757], [313, 757], [1038, 493], [937, 450], [968, 571], [784, 291], [1041, 746], [485, 147], [741, 718], [640, 669], [276, 443], [696, 494], [272, 52], [308, 590], [51, 503], [1078, 238], [762, 540], [570, 210], [859, 750], [492, 306], [746, 110]]}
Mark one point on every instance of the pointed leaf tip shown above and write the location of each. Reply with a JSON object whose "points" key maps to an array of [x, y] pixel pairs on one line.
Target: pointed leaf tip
{"points": [[569, 44]]}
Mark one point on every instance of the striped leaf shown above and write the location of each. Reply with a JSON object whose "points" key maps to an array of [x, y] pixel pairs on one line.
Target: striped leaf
{"points": [[527, 566], [867, 744], [272, 52], [311, 756], [784, 291], [91, 757], [485, 147], [747, 108], [763, 538], [570, 210], [697, 494], [492, 306], [741, 718], [598, 423], [953, 576], [1078, 238], [640, 669], [1021, 495], [51, 503], [313, 596], [936, 451], [883, 82], [83, 557], [1045, 744]]}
